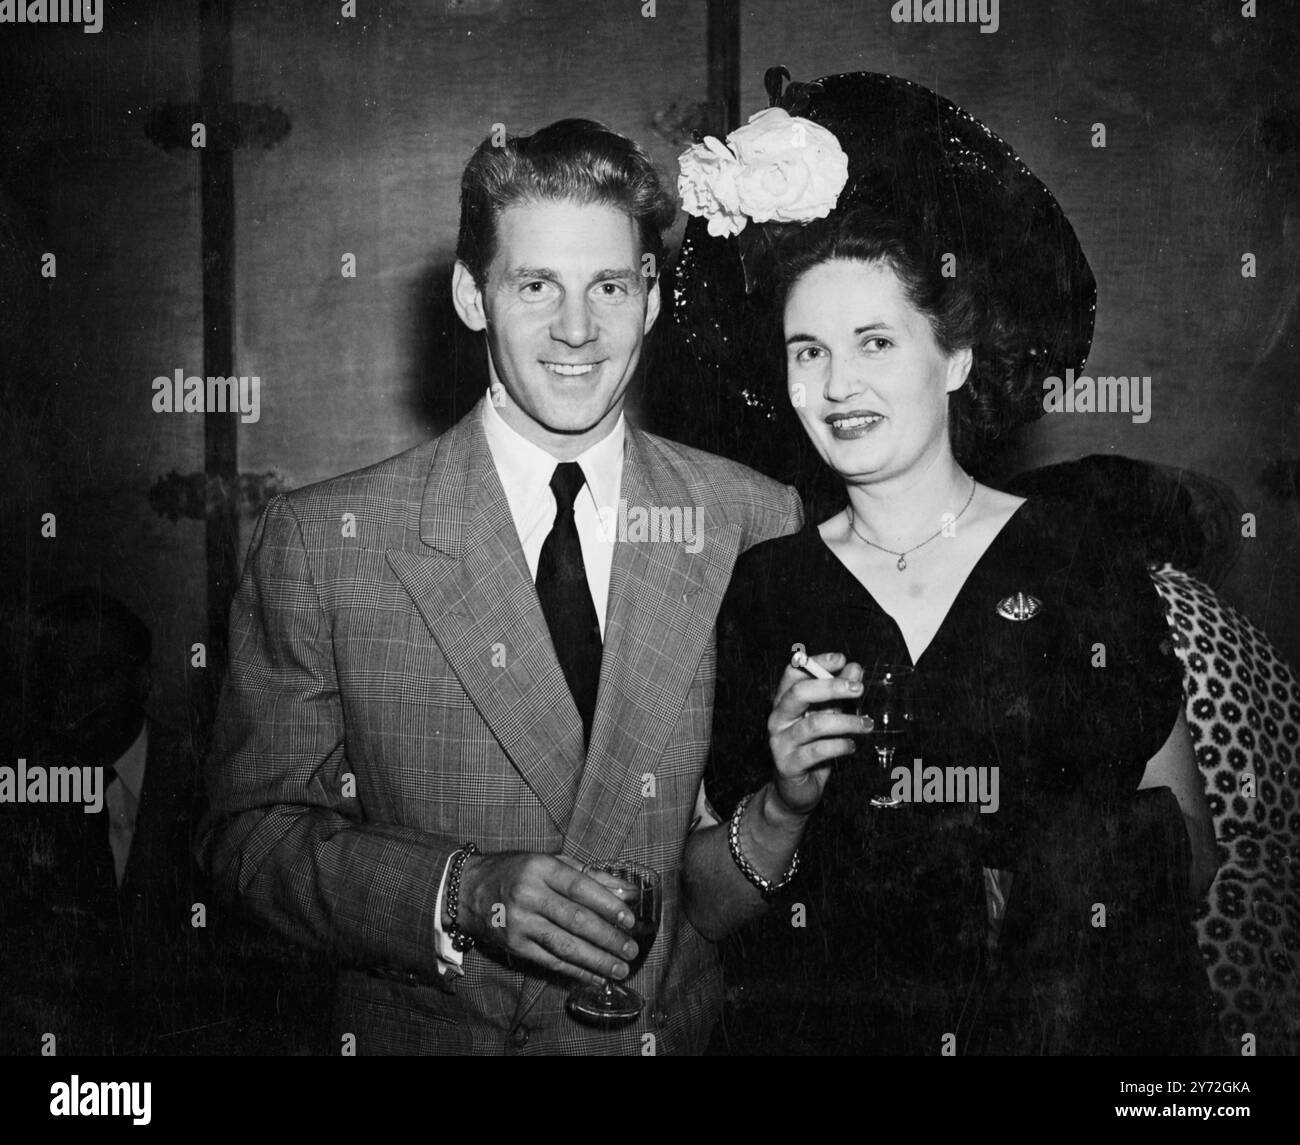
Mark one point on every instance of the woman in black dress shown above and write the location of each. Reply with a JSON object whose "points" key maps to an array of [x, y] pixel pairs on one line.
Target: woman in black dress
{"points": [[1053, 916]]}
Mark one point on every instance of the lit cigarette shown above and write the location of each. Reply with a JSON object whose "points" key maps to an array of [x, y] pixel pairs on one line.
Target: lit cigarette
{"points": [[800, 659]]}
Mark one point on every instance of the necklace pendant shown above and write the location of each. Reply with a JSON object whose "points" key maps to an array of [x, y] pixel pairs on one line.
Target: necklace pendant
{"points": [[902, 563]]}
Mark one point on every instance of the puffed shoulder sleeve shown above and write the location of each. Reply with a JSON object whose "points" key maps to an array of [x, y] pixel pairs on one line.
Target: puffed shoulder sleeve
{"points": [[1131, 690], [749, 669]]}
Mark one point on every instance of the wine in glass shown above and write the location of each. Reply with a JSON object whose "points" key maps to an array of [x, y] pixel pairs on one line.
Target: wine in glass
{"points": [[612, 1003], [888, 697]]}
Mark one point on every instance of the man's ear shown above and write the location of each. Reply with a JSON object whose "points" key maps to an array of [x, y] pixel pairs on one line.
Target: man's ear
{"points": [[467, 298], [651, 305], [959, 369]]}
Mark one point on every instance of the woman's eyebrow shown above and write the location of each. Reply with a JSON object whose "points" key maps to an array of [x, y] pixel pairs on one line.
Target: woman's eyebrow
{"points": [[870, 326]]}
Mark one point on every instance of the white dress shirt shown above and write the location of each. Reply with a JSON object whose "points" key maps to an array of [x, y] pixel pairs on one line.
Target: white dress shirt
{"points": [[525, 471]]}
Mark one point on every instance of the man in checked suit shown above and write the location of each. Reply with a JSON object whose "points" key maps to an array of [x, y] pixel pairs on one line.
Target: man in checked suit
{"points": [[453, 683]]}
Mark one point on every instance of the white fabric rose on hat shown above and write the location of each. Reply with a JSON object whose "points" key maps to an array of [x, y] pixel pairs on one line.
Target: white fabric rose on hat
{"points": [[707, 186], [793, 170], [777, 168]]}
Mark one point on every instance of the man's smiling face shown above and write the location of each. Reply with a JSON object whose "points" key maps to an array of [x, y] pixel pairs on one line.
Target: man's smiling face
{"points": [[566, 309]]}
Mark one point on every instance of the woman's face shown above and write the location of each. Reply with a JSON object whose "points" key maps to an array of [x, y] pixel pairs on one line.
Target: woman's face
{"points": [[865, 374]]}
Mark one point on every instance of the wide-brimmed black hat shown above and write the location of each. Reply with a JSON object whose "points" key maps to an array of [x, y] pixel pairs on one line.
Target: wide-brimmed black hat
{"points": [[920, 159]]}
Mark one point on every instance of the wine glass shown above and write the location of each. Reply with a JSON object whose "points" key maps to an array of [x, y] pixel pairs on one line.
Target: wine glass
{"points": [[888, 697], [612, 1003]]}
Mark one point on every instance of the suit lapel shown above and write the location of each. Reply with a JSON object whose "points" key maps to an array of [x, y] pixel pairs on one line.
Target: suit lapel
{"points": [[663, 601], [473, 589]]}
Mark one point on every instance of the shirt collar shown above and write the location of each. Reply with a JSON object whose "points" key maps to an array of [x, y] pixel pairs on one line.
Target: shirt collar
{"points": [[130, 764], [525, 469]]}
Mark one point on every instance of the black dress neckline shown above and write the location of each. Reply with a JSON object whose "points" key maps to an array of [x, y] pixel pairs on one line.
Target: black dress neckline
{"points": [[977, 572]]}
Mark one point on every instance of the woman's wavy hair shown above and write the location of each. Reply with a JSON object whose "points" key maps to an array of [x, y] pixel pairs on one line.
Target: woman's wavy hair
{"points": [[1002, 391]]}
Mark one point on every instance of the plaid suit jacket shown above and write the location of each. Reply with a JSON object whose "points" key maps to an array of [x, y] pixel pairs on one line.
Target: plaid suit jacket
{"points": [[393, 693]]}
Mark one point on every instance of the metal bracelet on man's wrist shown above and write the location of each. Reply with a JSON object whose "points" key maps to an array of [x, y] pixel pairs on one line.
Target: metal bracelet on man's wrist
{"points": [[460, 941]]}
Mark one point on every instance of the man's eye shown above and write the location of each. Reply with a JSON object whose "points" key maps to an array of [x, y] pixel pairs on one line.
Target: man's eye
{"points": [[535, 288], [611, 289]]}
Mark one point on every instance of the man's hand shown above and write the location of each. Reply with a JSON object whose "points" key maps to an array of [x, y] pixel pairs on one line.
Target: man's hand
{"points": [[543, 908]]}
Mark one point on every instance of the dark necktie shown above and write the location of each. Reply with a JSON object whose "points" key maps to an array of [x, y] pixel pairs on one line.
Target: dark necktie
{"points": [[90, 850], [566, 599], [110, 777]]}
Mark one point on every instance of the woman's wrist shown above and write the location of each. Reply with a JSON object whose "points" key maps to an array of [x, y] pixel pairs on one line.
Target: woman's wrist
{"points": [[777, 815], [768, 863], [771, 831]]}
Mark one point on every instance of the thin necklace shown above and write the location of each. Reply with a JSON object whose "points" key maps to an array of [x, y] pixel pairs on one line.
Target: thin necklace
{"points": [[902, 557]]}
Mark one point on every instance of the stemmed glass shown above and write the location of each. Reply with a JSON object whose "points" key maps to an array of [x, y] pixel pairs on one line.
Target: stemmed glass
{"points": [[613, 1004], [888, 697]]}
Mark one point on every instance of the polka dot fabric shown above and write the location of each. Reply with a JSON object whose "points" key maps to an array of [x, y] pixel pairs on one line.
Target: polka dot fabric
{"points": [[1243, 711]]}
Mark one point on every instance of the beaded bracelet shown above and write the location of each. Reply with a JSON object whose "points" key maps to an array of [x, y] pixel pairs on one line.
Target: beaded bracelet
{"points": [[460, 941], [766, 887]]}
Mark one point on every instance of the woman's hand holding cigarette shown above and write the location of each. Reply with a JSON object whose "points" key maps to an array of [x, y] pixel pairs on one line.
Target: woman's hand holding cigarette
{"points": [[804, 740]]}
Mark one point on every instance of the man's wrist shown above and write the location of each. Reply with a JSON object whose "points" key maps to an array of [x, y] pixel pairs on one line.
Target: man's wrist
{"points": [[461, 939], [445, 920]]}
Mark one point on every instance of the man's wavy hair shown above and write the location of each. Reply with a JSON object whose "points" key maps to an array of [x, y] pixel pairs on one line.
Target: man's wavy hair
{"points": [[1002, 391], [578, 160]]}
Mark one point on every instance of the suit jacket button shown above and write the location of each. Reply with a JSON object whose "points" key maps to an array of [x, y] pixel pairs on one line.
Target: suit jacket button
{"points": [[660, 1018], [519, 1037]]}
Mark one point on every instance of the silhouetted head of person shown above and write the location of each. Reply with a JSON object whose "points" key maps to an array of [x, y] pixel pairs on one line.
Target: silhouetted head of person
{"points": [[90, 673]]}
